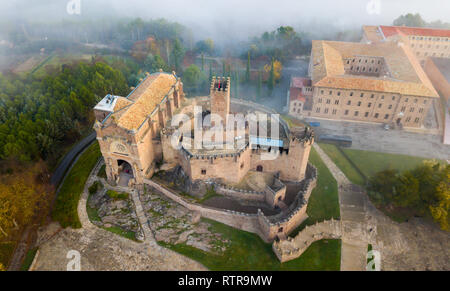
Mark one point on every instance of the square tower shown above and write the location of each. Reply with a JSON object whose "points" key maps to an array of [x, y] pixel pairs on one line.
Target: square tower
{"points": [[220, 97]]}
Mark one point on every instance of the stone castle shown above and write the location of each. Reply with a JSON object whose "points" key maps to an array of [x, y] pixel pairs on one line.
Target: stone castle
{"points": [[135, 135], [138, 137]]}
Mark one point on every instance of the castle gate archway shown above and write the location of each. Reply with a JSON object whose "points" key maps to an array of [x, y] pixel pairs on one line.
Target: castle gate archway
{"points": [[125, 172]]}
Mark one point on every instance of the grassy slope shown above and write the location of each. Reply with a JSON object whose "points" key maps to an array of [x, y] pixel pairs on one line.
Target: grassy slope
{"points": [[248, 252], [28, 259], [65, 209], [324, 200], [372, 162], [340, 160]]}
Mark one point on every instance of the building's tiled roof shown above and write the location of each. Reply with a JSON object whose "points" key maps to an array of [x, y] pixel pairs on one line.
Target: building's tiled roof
{"points": [[373, 33], [121, 102], [299, 82], [143, 100], [389, 31], [296, 90], [443, 65], [406, 76]]}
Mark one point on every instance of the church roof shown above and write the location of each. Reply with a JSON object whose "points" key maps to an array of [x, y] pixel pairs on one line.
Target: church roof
{"points": [[131, 111]]}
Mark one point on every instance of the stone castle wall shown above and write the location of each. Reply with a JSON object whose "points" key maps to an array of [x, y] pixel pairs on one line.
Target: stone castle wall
{"points": [[267, 227], [292, 248]]}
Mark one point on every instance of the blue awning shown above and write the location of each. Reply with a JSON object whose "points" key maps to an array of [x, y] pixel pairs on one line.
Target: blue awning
{"points": [[266, 141]]}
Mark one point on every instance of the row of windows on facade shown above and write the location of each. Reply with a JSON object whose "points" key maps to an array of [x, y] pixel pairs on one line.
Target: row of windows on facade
{"points": [[430, 38], [380, 105], [371, 96], [358, 69], [425, 54], [430, 46], [366, 114], [365, 61], [336, 102]]}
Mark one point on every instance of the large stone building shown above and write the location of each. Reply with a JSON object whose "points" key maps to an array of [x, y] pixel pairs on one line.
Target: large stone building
{"points": [[135, 136], [438, 70], [128, 129], [424, 42], [373, 82]]}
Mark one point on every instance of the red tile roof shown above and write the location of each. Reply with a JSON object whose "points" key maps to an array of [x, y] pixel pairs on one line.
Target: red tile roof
{"points": [[298, 82], [295, 92], [394, 30]]}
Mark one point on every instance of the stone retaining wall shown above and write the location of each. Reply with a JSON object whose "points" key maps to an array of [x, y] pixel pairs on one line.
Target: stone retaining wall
{"points": [[267, 227], [239, 194], [292, 248]]}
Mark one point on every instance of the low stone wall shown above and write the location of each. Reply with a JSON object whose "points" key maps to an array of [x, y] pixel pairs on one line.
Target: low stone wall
{"points": [[267, 227], [292, 248], [239, 194], [239, 220]]}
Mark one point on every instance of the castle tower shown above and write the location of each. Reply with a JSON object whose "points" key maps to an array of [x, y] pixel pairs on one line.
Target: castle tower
{"points": [[220, 97], [299, 148]]}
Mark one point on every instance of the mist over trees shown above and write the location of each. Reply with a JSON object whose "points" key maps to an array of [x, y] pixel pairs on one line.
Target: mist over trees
{"points": [[416, 20]]}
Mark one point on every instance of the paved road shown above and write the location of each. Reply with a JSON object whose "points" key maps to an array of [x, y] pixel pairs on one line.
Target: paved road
{"points": [[61, 170]]}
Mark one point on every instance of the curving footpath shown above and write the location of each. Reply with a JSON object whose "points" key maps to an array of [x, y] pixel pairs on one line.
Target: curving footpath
{"points": [[103, 250]]}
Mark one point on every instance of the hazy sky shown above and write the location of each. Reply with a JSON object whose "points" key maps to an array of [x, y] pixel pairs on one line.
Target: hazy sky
{"points": [[236, 17]]}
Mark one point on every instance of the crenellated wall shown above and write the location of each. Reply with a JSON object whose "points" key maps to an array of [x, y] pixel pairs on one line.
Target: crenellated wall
{"points": [[267, 227]]}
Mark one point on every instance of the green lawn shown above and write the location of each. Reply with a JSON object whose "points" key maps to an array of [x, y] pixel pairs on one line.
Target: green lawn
{"points": [[368, 162], [26, 264], [6, 252], [323, 203], [127, 234], [372, 162], [65, 208], [248, 252], [341, 161]]}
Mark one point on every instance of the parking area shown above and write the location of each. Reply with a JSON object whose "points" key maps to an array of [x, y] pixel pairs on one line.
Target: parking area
{"points": [[372, 137]]}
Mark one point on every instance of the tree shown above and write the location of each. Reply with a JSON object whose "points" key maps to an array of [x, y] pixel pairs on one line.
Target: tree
{"points": [[413, 20], [205, 46], [259, 85], [271, 80], [2, 268], [156, 63], [177, 55], [210, 72], [285, 33], [203, 62], [20, 201], [191, 76], [236, 84], [422, 190], [247, 71]]}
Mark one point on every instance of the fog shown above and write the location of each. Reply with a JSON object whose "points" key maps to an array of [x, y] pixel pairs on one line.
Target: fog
{"points": [[233, 19]]}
